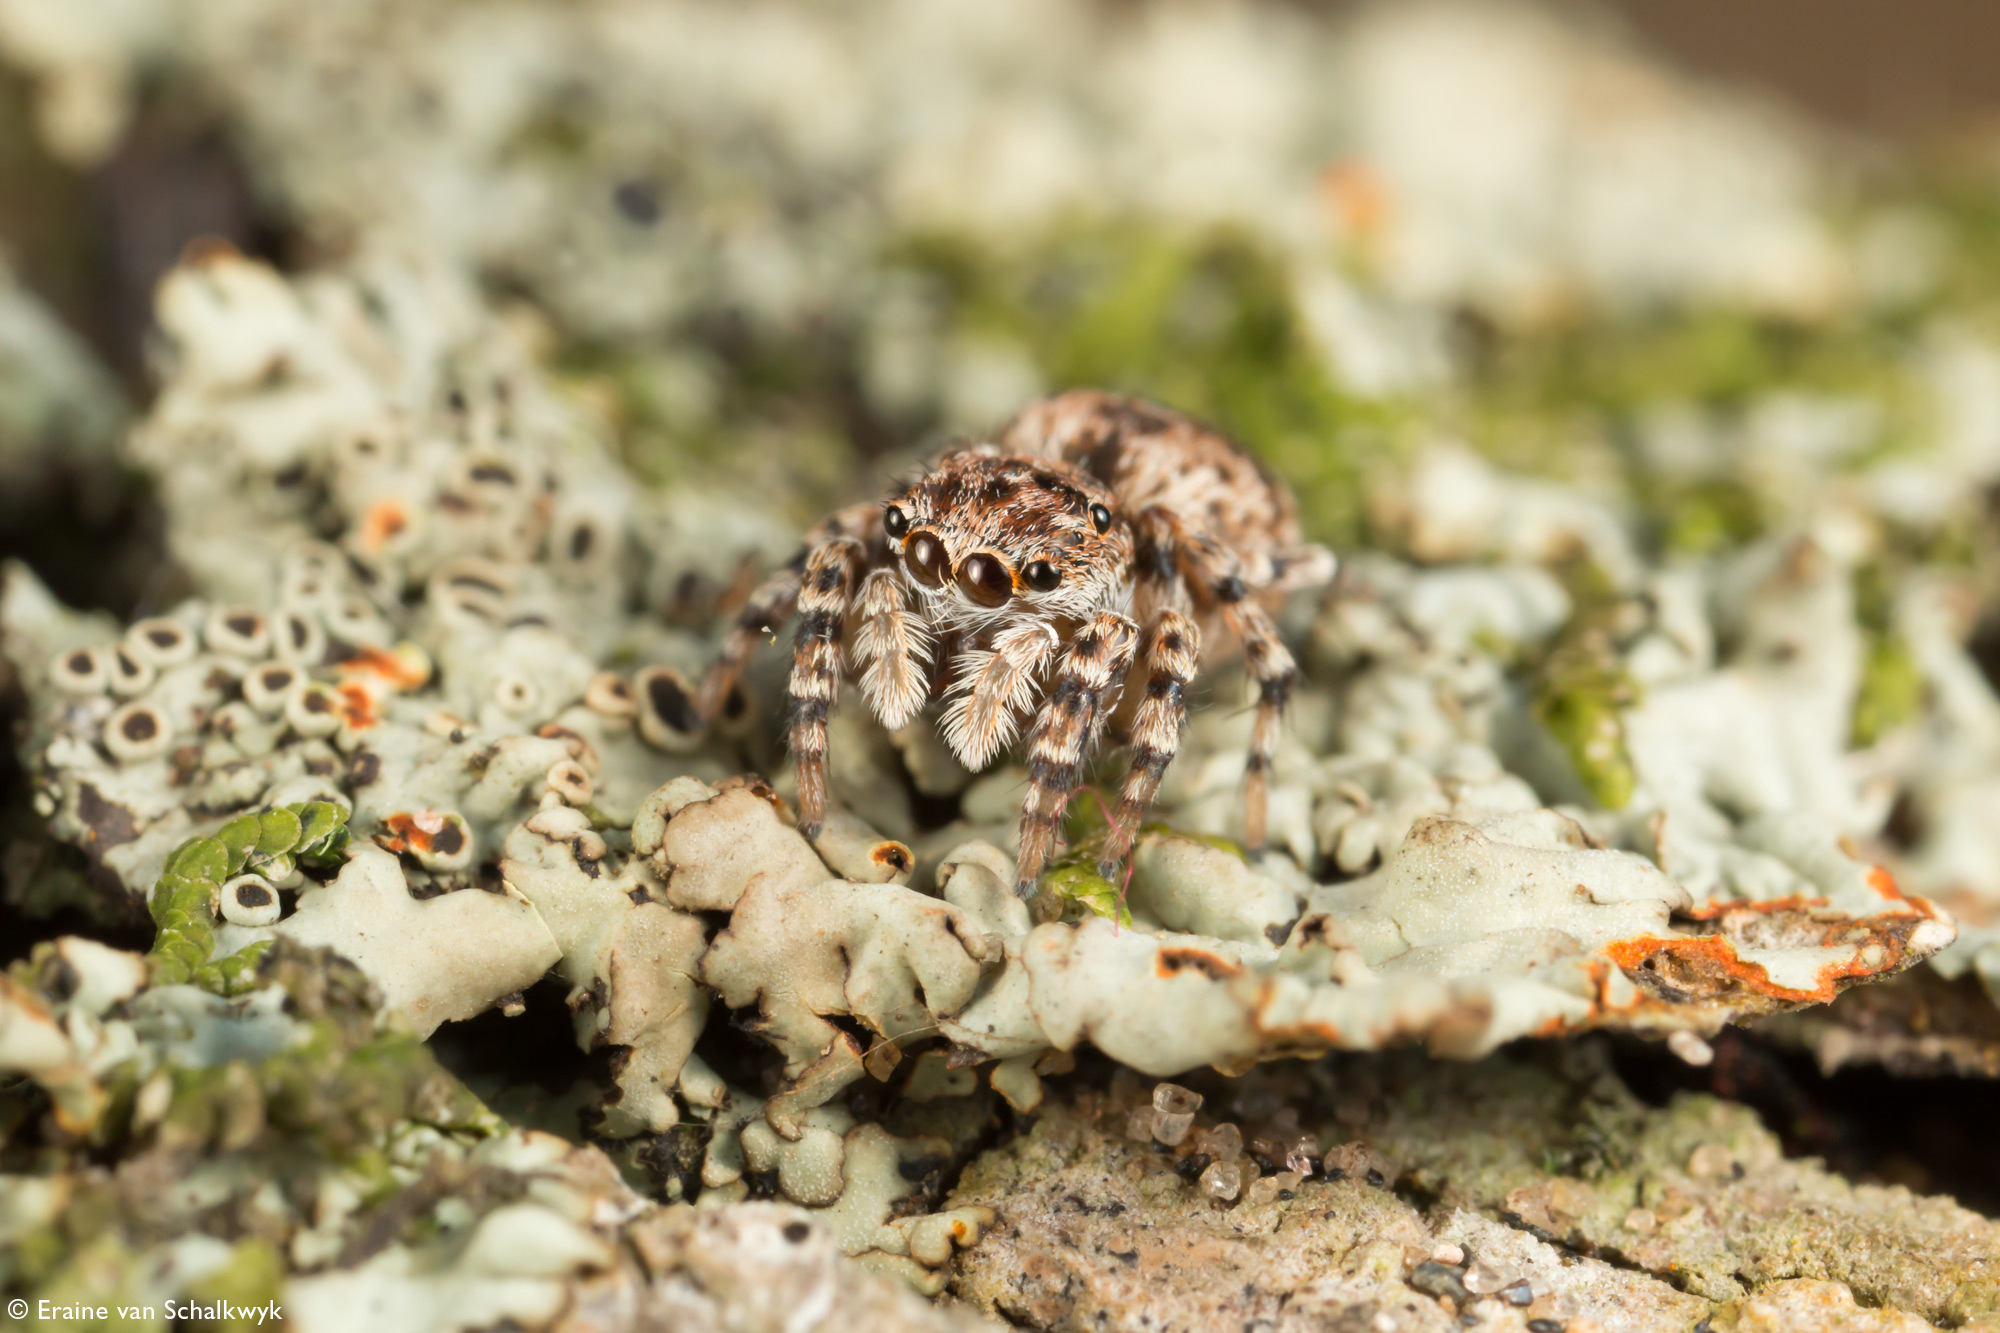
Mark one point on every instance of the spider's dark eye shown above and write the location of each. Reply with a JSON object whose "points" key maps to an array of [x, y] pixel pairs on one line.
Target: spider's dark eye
{"points": [[1041, 576], [895, 524], [985, 580], [925, 558], [1100, 518]]}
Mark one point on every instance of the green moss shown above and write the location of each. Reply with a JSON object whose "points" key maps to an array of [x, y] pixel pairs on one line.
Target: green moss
{"points": [[105, 1274], [1075, 883], [1891, 692], [1704, 518], [1581, 690], [184, 902], [1205, 322], [254, 1275], [1215, 840]]}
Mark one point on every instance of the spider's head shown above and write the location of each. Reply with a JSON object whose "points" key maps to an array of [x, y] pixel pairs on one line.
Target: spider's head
{"points": [[983, 538]]}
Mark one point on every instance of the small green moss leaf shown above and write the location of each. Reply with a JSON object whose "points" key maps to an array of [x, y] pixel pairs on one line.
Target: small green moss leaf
{"points": [[1081, 885], [278, 831]]}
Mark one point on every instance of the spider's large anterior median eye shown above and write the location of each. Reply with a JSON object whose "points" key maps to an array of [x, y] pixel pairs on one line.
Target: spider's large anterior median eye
{"points": [[985, 580], [1041, 575], [1100, 518], [896, 524], [925, 558]]}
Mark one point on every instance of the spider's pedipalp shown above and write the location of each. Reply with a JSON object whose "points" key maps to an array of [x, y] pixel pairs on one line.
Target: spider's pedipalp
{"points": [[826, 592], [1086, 687], [994, 687], [1170, 650], [892, 648]]}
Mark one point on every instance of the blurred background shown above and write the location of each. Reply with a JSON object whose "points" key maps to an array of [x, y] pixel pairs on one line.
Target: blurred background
{"points": [[782, 245]]}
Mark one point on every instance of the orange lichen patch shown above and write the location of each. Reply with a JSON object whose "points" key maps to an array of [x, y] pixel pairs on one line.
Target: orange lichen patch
{"points": [[383, 521], [894, 855], [357, 707], [1884, 883], [397, 670], [1709, 964], [420, 831], [1173, 961]]}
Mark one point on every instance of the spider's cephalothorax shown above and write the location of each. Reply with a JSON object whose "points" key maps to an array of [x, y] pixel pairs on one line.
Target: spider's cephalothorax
{"points": [[1085, 547]]}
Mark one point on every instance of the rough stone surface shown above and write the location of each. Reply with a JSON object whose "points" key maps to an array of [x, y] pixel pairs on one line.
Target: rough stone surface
{"points": [[1634, 1217]]}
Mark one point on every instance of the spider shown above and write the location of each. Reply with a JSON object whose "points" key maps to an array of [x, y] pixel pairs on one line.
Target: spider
{"points": [[1086, 546]]}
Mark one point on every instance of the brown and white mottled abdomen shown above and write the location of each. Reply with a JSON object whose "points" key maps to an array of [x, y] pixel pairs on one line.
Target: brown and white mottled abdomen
{"points": [[1151, 456]]}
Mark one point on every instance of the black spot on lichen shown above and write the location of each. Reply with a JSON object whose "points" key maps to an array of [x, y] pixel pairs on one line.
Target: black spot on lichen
{"points": [[364, 768], [671, 703], [638, 202], [449, 840], [110, 824]]}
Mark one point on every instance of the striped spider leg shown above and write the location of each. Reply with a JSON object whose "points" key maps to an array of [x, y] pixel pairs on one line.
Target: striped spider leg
{"points": [[818, 586], [1169, 651], [1086, 687], [1176, 560]]}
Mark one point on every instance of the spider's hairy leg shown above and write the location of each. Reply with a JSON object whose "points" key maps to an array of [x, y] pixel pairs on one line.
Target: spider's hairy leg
{"points": [[769, 607], [1170, 650], [1270, 665], [1086, 685], [1157, 585], [1209, 565], [995, 685], [892, 648], [826, 593]]}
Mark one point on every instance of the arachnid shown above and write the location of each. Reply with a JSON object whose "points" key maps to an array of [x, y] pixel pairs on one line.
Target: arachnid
{"points": [[1037, 575]]}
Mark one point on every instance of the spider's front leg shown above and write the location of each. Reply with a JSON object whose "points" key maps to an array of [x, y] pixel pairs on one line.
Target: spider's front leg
{"points": [[826, 594], [772, 604], [769, 607], [1171, 650], [1085, 688]]}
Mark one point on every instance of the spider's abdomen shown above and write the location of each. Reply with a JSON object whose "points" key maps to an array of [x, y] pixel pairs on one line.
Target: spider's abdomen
{"points": [[1149, 455]]}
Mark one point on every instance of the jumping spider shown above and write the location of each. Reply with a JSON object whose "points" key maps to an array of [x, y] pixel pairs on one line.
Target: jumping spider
{"points": [[1086, 546]]}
